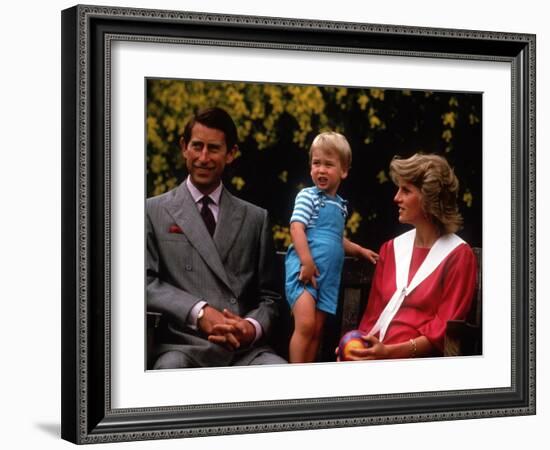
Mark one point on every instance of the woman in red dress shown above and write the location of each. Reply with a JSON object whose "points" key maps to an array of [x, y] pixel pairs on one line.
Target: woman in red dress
{"points": [[424, 277]]}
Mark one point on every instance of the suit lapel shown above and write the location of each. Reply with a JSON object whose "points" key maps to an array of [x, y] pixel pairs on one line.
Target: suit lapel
{"points": [[186, 215], [230, 221]]}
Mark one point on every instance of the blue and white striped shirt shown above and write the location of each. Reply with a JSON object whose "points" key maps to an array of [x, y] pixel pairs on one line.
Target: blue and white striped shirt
{"points": [[307, 204]]}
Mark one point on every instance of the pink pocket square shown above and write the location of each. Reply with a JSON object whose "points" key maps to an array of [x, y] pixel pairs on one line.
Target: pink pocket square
{"points": [[175, 229]]}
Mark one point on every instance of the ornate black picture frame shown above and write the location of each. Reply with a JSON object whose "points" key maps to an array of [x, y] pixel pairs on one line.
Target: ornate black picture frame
{"points": [[87, 412]]}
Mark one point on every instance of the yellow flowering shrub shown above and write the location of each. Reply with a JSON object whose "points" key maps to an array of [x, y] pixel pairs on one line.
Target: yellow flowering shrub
{"points": [[277, 122]]}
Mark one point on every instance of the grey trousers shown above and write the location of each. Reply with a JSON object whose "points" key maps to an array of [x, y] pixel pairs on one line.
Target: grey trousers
{"points": [[175, 359]]}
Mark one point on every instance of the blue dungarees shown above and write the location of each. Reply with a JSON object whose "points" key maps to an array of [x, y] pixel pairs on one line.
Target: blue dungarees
{"points": [[325, 232]]}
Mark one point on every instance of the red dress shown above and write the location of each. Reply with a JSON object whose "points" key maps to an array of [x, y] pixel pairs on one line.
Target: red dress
{"points": [[446, 294]]}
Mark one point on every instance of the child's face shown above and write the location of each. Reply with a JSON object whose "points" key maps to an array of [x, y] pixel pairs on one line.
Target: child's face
{"points": [[326, 170]]}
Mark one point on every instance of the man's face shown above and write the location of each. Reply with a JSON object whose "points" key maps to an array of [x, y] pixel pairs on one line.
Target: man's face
{"points": [[206, 155]]}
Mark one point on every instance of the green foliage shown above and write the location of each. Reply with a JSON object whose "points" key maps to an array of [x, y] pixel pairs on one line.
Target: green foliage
{"points": [[276, 123]]}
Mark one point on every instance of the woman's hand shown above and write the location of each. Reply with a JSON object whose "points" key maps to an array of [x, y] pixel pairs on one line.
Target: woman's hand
{"points": [[413, 348], [374, 350]]}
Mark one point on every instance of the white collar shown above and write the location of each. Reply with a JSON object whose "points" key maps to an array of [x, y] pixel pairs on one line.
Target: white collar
{"points": [[403, 246], [198, 195]]}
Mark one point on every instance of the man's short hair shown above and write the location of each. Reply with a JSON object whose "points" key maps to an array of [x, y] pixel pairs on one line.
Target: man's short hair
{"points": [[216, 118]]}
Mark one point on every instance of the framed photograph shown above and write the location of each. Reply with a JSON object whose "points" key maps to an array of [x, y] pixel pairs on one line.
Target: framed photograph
{"points": [[132, 79]]}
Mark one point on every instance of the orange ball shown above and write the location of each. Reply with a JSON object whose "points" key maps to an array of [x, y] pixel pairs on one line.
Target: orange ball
{"points": [[350, 340]]}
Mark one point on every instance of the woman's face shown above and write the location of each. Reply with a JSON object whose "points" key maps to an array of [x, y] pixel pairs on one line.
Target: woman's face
{"points": [[409, 201]]}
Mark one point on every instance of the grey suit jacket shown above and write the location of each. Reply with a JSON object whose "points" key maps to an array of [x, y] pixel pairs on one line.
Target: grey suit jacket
{"points": [[232, 270]]}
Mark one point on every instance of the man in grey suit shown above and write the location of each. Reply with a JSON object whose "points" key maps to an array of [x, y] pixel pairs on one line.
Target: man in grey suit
{"points": [[209, 257]]}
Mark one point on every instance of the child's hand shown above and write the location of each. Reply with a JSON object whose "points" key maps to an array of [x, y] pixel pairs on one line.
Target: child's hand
{"points": [[370, 255], [307, 275]]}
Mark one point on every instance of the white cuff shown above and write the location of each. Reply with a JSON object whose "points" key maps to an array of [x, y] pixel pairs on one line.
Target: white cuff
{"points": [[257, 326], [192, 317]]}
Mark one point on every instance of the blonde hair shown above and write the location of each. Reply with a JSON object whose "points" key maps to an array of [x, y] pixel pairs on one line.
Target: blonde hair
{"points": [[438, 184], [336, 142]]}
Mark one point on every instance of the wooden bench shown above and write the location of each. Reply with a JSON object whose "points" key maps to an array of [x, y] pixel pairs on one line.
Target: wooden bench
{"points": [[463, 337]]}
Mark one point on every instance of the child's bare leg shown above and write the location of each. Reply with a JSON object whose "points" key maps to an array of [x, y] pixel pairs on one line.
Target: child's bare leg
{"points": [[313, 349], [304, 328]]}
